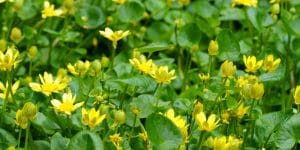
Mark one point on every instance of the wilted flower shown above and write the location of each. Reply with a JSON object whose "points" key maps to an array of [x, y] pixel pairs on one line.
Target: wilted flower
{"points": [[32, 52], [114, 36], [92, 117], [251, 64], [30, 110], [163, 75], [228, 69], [67, 105], [119, 116], [270, 64], [203, 76], [49, 85], [197, 108], [206, 124]]}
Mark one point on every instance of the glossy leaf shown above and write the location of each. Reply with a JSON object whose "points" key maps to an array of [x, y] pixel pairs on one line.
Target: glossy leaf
{"points": [[86, 140]]}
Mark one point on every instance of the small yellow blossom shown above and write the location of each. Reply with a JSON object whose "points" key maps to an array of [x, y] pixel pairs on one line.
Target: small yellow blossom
{"points": [[163, 75], [297, 95], [248, 3], [80, 68], [206, 124], [119, 1], [21, 119], [228, 69], [49, 85], [116, 139], [142, 64], [143, 135], [251, 64], [257, 91], [203, 76], [114, 36], [270, 64], [225, 117], [9, 60], [224, 143], [213, 48], [67, 105], [49, 10], [241, 110], [92, 117], [3, 88], [179, 122]]}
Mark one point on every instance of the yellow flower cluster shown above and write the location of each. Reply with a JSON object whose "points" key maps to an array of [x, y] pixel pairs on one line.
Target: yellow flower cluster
{"points": [[180, 123], [250, 87], [80, 68], [48, 84], [67, 105], [224, 143], [269, 64], [92, 118], [26, 114]]}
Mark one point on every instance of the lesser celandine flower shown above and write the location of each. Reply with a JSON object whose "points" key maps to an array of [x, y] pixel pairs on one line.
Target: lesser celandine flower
{"points": [[228, 69], [163, 75], [48, 84], [257, 91], [9, 59], [225, 117], [203, 76], [50, 11], [16, 35], [223, 143], [67, 105], [206, 124], [119, 1], [248, 3], [241, 110], [142, 64], [3, 88], [270, 64], [213, 48], [297, 95], [80, 68], [92, 118], [179, 122], [114, 36], [116, 139], [251, 64]]}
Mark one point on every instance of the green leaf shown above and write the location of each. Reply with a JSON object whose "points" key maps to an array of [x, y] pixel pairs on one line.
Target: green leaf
{"points": [[145, 104], [27, 10], [131, 11], [86, 140], [259, 18], [291, 25], [6, 138], [288, 134], [45, 124], [59, 142], [89, 16], [273, 76], [158, 9], [39, 144], [163, 134], [159, 31], [154, 47], [203, 9], [189, 35], [229, 47], [138, 80], [232, 14]]}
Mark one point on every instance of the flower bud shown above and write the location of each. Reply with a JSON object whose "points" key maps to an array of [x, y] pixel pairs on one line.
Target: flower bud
{"points": [[16, 35], [2, 45], [228, 69], [95, 67], [213, 48], [120, 116], [18, 4], [21, 119], [30, 110], [32, 52], [95, 42], [297, 95], [257, 91], [197, 109], [275, 9], [105, 61], [104, 109]]}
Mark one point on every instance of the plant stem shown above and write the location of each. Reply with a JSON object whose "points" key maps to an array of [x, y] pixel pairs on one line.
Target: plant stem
{"points": [[113, 57], [19, 138], [200, 141], [27, 136], [155, 95]]}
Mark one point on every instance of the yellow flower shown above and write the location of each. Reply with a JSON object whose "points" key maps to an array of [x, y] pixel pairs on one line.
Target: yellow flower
{"points": [[79, 68], [225, 116], [251, 64], [3, 88], [241, 81], [116, 140], [119, 1], [206, 124], [62, 75], [92, 117], [179, 122], [163, 75], [9, 60], [213, 48], [49, 85], [142, 64], [11, 148], [67, 105], [228, 69], [49, 10], [143, 135], [297, 95], [21, 119], [203, 76], [257, 91], [241, 110], [248, 3], [224, 143], [114, 36], [270, 64]]}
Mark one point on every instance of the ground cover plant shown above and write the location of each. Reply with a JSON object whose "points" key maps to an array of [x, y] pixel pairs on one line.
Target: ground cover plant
{"points": [[149, 74]]}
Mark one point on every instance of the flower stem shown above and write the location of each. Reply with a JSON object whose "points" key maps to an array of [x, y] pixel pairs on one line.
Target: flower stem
{"points": [[155, 95], [200, 141], [19, 138], [113, 57], [27, 136]]}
